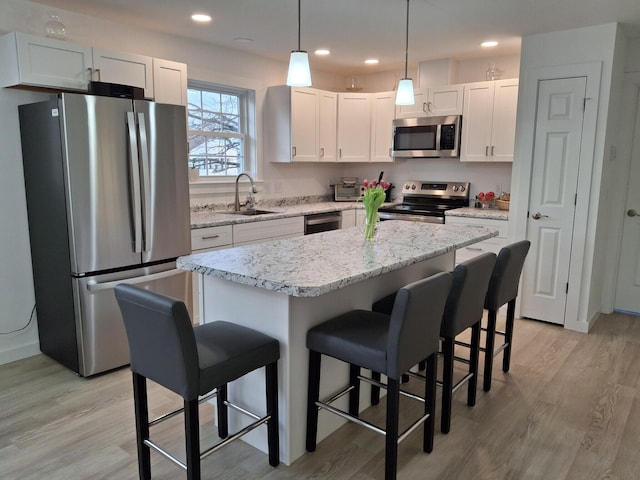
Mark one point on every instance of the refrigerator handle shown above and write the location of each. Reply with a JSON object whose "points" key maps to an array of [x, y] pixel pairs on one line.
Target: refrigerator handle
{"points": [[146, 175], [134, 165], [94, 286]]}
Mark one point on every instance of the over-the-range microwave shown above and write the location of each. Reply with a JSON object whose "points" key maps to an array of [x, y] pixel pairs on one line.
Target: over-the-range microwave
{"points": [[427, 137]]}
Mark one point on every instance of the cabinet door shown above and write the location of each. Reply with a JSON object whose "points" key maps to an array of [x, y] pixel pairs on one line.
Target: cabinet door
{"points": [[446, 100], [327, 125], [476, 122], [304, 125], [170, 82], [505, 105], [382, 115], [50, 63], [125, 68], [354, 127], [419, 107]]}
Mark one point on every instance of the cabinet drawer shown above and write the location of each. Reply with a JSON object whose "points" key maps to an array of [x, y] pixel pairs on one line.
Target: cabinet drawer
{"points": [[244, 233], [211, 237]]}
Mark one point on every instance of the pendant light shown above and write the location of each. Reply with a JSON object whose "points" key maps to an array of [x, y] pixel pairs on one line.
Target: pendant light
{"points": [[404, 94], [299, 74]]}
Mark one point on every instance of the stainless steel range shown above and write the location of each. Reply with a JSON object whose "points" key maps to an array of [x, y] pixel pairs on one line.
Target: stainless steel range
{"points": [[426, 201]]}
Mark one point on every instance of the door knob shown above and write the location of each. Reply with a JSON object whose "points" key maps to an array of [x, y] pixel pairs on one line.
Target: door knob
{"points": [[538, 216], [632, 213]]}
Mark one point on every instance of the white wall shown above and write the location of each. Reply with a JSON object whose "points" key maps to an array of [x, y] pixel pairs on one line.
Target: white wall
{"points": [[570, 50]]}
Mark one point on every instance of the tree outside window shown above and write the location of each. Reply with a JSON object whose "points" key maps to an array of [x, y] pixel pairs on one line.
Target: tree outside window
{"points": [[217, 131]]}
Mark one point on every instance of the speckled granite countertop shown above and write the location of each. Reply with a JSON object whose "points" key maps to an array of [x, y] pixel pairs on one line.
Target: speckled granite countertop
{"points": [[310, 266], [492, 213], [210, 218]]}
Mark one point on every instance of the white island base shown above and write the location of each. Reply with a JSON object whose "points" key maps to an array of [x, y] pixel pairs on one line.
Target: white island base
{"points": [[288, 319]]}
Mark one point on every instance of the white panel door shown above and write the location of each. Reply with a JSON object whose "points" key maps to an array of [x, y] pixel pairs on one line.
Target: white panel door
{"points": [[554, 181], [628, 284]]}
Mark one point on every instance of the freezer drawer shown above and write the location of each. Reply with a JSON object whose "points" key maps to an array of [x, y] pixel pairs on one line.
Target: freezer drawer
{"points": [[101, 337]]}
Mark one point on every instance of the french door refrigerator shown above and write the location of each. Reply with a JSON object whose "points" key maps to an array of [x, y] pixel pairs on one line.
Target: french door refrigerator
{"points": [[108, 202]]}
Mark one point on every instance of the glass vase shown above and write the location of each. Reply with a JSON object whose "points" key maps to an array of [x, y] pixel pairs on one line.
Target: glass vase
{"points": [[54, 28], [371, 223]]}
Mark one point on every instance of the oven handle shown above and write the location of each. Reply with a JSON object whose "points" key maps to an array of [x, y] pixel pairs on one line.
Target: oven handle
{"points": [[411, 218]]}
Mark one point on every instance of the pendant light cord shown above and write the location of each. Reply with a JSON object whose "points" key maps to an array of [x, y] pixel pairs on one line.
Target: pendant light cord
{"points": [[406, 50], [299, 49]]}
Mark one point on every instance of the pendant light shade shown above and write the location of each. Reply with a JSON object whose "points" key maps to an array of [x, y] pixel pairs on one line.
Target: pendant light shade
{"points": [[404, 94], [299, 73]]}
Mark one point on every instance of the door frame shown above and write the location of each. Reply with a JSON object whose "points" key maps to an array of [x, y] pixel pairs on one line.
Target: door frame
{"points": [[583, 238], [629, 112]]}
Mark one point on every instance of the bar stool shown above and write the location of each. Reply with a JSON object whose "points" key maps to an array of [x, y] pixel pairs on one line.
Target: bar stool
{"points": [[387, 344], [463, 310], [503, 288], [166, 348]]}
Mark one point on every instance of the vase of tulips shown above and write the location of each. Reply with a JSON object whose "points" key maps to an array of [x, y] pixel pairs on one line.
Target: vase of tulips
{"points": [[374, 195]]}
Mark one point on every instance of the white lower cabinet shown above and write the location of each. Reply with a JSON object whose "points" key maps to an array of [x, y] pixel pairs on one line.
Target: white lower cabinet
{"points": [[348, 218], [255, 232], [211, 238], [493, 244]]}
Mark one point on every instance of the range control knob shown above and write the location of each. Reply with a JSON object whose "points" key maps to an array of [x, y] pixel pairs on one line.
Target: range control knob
{"points": [[407, 186], [454, 188], [462, 188], [413, 186]]}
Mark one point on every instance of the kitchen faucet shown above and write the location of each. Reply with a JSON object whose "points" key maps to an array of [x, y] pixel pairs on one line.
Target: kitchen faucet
{"points": [[252, 190]]}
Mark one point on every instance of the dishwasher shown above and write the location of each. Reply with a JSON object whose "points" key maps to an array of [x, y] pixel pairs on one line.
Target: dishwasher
{"points": [[322, 222]]}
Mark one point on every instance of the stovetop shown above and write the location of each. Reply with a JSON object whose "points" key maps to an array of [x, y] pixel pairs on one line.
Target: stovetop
{"points": [[431, 198]]}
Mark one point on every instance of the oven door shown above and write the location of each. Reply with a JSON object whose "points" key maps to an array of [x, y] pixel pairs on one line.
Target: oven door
{"points": [[410, 217]]}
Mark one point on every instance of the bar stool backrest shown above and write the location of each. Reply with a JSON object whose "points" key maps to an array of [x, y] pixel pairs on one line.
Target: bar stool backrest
{"points": [[414, 329], [465, 304], [503, 286], [162, 344]]}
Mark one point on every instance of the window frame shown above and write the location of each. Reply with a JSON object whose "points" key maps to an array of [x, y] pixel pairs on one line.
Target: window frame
{"points": [[247, 127]]}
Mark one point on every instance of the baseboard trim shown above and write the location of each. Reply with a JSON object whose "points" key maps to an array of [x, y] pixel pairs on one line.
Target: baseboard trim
{"points": [[18, 353]]}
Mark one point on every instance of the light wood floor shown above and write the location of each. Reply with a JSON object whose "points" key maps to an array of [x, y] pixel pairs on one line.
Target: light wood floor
{"points": [[569, 409]]}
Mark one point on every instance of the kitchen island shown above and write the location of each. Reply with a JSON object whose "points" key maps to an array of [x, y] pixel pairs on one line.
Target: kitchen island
{"points": [[284, 287]]}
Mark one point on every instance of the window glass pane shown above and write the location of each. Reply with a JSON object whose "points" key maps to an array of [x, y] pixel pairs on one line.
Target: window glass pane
{"points": [[212, 114]]}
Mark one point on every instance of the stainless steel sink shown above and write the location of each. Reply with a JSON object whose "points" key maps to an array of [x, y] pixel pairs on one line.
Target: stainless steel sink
{"points": [[248, 212]]}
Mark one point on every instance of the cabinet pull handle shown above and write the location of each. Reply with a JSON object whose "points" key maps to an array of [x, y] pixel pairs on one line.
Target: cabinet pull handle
{"points": [[475, 249], [98, 72], [340, 152], [90, 70], [322, 151], [210, 237], [429, 106], [425, 108], [389, 151], [294, 151], [486, 151], [492, 147]]}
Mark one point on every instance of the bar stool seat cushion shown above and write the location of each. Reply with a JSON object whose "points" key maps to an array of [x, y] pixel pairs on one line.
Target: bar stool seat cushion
{"points": [[218, 344], [359, 337]]}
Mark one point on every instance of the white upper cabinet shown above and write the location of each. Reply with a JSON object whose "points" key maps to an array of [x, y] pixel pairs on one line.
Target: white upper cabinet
{"points": [[169, 82], [382, 114], [44, 62], [488, 121], [434, 101], [354, 127], [33, 61], [300, 125], [124, 68]]}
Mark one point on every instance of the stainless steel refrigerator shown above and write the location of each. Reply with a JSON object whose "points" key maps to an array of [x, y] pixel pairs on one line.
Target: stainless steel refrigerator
{"points": [[108, 202]]}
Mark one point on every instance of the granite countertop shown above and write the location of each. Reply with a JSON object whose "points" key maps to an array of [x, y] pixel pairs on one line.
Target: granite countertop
{"points": [[213, 218], [313, 265], [491, 213]]}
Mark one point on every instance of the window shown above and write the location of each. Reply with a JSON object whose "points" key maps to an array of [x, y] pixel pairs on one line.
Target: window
{"points": [[218, 130]]}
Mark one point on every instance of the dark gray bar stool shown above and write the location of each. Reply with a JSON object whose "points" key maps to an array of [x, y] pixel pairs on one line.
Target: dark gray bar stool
{"points": [[167, 349], [464, 309], [386, 344], [503, 288]]}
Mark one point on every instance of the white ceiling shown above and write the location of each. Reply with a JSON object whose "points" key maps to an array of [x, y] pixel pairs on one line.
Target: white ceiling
{"points": [[357, 29]]}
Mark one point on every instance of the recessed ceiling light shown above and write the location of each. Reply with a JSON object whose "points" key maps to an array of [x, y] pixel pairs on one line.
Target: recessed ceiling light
{"points": [[243, 40], [322, 51], [372, 61], [490, 43], [201, 17]]}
